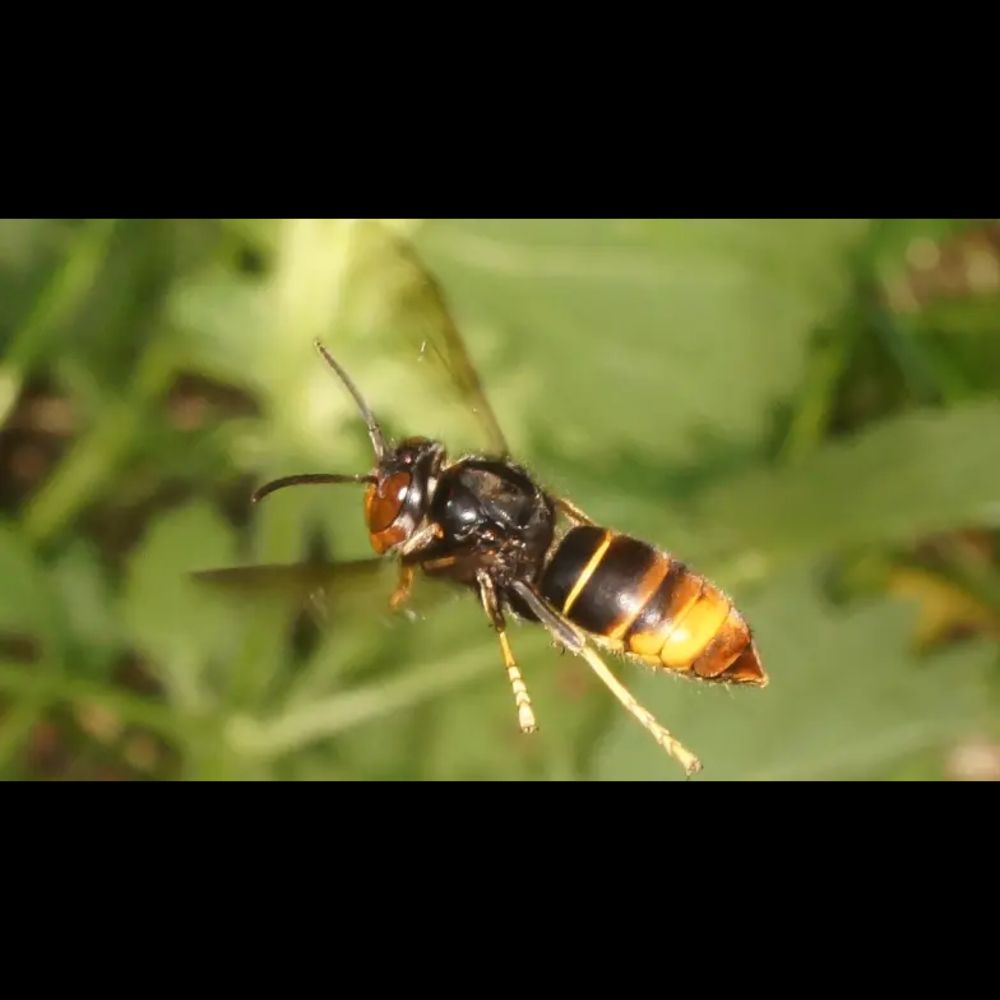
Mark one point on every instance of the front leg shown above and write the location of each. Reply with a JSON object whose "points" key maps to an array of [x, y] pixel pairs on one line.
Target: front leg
{"points": [[404, 588], [421, 539]]}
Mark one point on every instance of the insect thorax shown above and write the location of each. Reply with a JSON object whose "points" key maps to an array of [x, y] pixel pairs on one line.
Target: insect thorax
{"points": [[492, 516]]}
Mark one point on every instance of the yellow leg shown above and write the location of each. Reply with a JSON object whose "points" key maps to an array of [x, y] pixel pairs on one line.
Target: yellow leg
{"points": [[525, 713], [568, 635], [674, 747]]}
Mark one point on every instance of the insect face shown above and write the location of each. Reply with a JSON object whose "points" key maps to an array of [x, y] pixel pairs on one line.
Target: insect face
{"points": [[395, 503]]}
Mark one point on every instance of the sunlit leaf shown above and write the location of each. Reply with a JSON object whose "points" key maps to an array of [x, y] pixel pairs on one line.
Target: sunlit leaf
{"points": [[910, 475], [654, 334]]}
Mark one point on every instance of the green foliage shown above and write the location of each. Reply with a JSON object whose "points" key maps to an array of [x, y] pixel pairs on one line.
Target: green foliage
{"points": [[693, 330], [903, 478], [776, 402]]}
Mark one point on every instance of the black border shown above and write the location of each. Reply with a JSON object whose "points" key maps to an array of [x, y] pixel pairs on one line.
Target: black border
{"points": [[535, 160]]}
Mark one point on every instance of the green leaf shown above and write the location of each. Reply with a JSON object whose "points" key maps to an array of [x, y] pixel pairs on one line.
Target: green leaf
{"points": [[905, 477], [85, 591], [29, 603], [222, 317], [168, 615], [845, 699], [688, 328]]}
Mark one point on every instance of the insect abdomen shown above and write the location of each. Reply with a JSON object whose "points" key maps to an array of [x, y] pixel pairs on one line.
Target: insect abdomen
{"points": [[641, 600]]}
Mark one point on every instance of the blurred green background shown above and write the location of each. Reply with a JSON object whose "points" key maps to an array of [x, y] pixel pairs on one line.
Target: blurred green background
{"points": [[805, 410]]}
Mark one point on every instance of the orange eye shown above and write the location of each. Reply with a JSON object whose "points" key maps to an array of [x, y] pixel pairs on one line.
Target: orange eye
{"points": [[384, 500]]}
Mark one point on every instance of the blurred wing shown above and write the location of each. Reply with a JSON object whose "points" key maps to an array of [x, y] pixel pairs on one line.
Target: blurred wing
{"points": [[322, 589], [419, 311]]}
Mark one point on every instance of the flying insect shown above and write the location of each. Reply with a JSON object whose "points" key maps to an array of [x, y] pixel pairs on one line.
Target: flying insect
{"points": [[483, 522]]}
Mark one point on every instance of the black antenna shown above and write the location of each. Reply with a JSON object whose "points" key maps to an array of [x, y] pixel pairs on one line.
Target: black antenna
{"points": [[307, 477], [374, 431]]}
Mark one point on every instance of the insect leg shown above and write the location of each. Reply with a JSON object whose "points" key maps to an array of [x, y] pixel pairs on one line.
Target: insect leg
{"points": [[525, 714], [575, 643], [573, 512], [403, 589], [420, 539]]}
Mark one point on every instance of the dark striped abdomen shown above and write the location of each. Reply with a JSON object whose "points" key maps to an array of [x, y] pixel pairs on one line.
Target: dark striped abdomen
{"points": [[641, 600]]}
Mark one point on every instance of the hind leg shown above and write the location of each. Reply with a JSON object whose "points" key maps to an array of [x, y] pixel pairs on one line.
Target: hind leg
{"points": [[571, 638]]}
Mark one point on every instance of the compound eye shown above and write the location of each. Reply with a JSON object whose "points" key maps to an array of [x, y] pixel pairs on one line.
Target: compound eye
{"points": [[383, 503]]}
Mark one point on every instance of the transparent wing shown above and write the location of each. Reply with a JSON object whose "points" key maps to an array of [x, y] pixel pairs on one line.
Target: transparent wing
{"points": [[320, 588], [324, 590], [415, 308]]}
